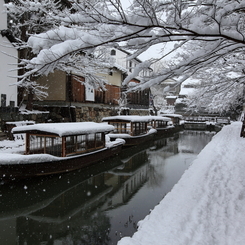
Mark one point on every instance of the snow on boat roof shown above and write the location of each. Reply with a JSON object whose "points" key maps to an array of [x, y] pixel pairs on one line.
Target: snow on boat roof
{"points": [[129, 118], [171, 97], [172, 115], [21, 123], [65, 129], [159, 118]]}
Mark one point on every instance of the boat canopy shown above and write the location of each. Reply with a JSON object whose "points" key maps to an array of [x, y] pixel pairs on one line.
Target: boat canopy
{"points": [[65, 129], [127, 118], [159, 118], [173, 115]]}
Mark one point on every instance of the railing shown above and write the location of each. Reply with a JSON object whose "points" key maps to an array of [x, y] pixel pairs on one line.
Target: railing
{"points": [[220, 120]]}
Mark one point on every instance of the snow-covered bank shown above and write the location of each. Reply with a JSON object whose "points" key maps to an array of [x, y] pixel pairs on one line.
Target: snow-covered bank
{"points": [[207, 205]]}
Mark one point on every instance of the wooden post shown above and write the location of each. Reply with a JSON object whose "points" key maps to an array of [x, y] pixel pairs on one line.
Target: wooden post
{"points": [[27, 143], [44, 145], [63, 154]]}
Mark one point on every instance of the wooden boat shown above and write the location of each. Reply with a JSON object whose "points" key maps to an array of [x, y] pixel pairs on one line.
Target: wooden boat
{"points": [[133, 129], [161, 124], [177, 120], [53, 148]]}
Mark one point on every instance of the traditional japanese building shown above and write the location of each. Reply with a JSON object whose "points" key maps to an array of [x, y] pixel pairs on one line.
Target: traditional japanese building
{"points": [[72, 98]]}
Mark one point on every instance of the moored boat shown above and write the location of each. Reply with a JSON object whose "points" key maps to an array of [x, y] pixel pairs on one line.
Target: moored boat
{"points": [[133, 129], [53, 148], [163, 125], [177, 120]]}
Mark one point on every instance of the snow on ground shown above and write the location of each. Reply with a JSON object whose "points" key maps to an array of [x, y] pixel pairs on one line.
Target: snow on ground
{"points": [[207, 205]]}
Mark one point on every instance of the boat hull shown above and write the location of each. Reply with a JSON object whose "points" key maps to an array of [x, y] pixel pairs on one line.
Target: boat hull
{"points": [[165, 131], [61, 165], [134, 140]]}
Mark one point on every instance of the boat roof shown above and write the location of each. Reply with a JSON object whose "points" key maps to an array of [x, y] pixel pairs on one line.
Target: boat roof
{"points": [[172, 115], [65, 129], [159, 118], [128, 118], [20, 123]]}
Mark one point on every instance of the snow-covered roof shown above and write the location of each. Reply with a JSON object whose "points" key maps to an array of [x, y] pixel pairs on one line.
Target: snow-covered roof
{"points": [[120, 68], [66, 129], [21, 123], [188, 87], [159, 118], [171, 97], [128, 118], [172, 115], [187, 91]]}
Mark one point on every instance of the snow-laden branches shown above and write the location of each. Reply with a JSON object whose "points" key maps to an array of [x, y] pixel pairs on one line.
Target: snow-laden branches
{"points": [[222, 86], [214, 29]]}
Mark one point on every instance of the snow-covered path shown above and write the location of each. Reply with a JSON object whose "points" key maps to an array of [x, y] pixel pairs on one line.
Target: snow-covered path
{"points": [[207, 205]]}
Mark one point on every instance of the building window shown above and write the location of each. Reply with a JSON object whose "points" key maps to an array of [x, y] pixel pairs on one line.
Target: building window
{"points": [[3, 100], [12, 104], [113, 52], [111, 72], [130, 66]]}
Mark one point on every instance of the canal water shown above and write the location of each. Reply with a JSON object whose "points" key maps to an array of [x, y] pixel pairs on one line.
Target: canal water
{"points": [[100, 204]]}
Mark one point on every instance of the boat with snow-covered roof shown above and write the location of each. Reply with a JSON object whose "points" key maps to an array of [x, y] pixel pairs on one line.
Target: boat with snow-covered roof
{"points": [[53, 148], [163, 125], [133, 129], [177, 120]]}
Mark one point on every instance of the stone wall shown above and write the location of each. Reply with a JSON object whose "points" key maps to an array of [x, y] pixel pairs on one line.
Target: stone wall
{"points": [[97, 113], [44, 114]]}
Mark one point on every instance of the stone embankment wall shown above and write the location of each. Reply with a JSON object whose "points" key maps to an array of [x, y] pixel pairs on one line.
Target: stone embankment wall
{"points": [[17, 116], [96, 114], [64, 114]]}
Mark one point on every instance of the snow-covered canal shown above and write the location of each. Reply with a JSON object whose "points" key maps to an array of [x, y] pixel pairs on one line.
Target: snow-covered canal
{"points": [[98, 205]]}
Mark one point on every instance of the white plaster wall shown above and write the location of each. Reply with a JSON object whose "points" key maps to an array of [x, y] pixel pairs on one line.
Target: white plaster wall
{"points": [[121, 58], [3, 16], [8, 63]]}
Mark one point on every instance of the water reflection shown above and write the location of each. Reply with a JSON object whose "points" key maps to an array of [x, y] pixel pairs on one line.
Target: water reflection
{"points": [[100, 204]]}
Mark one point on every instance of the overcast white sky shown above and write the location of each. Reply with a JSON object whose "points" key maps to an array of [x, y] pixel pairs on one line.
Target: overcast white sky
{"points": [[126, 3]]}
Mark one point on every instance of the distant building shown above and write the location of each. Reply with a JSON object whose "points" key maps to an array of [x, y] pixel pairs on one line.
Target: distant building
{"points": [[138, 99], [165, 95], [187, 89]]}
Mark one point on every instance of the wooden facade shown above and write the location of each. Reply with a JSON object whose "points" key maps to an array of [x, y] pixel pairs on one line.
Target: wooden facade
{"points": [[138, 98], [77, 89], [110, 95]]}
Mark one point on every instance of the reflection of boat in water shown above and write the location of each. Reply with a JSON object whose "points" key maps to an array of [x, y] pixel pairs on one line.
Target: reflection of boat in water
{"points": [[40, 193], [76, 199], [28, 195], [59, 147], [57, 201], [81, 206]]}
